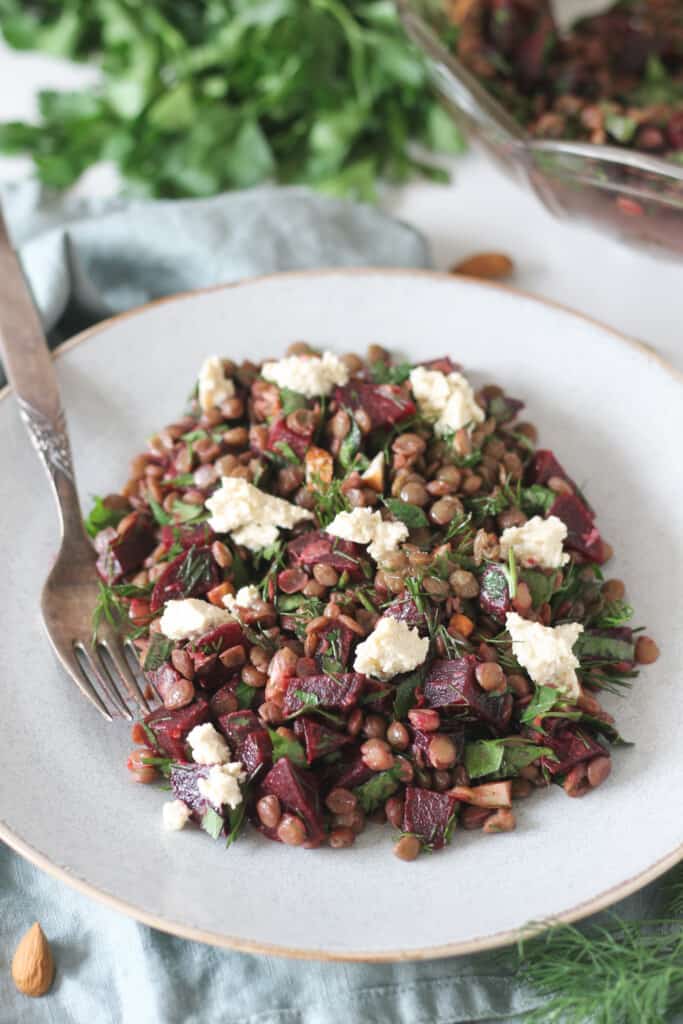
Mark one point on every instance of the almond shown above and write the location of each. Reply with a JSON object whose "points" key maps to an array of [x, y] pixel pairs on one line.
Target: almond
{"points": [[492, 266], [33, 967]]}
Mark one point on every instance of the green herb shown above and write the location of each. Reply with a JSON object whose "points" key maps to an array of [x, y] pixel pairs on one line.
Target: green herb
{"points": [[186, 480], [283, 747], [111, 607], [162, 517], [212, 822], [245, 695], [195, 435], [607, 649], [184, 512], [614, 614], [163, 764], [237, 817], [195, 568], [536, 499], [459, 527], [544, 700], [239, 570], [287, 452], [101, 517], [411, 515], [620, 128], [308, 699], [197, 99], [311, 702], [331, 659], [657, 85], [291, 401], [350, 446], [488, 504], [364, 599], [385, 373], [373, 793], [540, 585], [328, 500], [502, 757], [302, 609], [405, 694], [511, 573], [158, 652]]}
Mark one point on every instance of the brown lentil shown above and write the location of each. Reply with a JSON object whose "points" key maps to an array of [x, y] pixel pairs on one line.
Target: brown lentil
{"points": [[397, 735], [341, 838], [407, 848], [269, 811], [647, 650], [291, 831]]}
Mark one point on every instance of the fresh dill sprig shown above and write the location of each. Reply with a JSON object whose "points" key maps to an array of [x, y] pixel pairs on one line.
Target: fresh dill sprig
{"points": [[329, 500], [112, 607]]}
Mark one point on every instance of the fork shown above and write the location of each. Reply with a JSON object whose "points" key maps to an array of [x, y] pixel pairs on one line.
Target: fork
{"points": [[98, 664]]}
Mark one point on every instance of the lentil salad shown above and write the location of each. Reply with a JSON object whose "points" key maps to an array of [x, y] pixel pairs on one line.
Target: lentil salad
{"points": [[369, 599]]}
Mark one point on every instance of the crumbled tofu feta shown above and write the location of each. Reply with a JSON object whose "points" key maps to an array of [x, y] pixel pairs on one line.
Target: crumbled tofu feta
{"points": [[445, 399], [392, 647], [207, 745], [308, 375], [214, 387], [190, 617], [246, 597], [363, 526], [175, 815], [249, 515], [221, 786], [537, 542], [546, 652]]}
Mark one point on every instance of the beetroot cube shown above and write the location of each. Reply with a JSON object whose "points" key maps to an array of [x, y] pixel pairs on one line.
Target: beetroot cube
{"points": [[191, 574], [236, 726], [337, 640], [170, 728], [319, 739], [338, 693], [319, 548], [494, 593], [187, 536], [163, 679], [121, 555], [352, 773], [404, 609], [297, 791], [385, 404], [453, 685], [582, 534], [428, 815], [280, 433], [256, 751], [571, 747], [184, 779]]}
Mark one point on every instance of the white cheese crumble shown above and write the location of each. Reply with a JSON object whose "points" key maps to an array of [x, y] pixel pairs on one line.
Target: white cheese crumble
{"points": [[546, 652], [190, 617], [249, 515], [221, 786], [445, 399], [175, 815], [214, 387], [391, 648], [363, 526], [308, 375], [537, 542], [207, 745], [246, 597]]}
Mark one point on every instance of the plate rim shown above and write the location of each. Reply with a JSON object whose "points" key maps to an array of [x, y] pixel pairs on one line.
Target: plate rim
{"points": [[494, 941]]}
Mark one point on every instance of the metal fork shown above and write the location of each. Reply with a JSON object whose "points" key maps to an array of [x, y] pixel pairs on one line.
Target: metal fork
{"points": [[97, 664]]}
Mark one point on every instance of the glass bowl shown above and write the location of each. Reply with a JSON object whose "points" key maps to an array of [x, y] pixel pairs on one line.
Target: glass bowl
{"points": [[623, 193]]}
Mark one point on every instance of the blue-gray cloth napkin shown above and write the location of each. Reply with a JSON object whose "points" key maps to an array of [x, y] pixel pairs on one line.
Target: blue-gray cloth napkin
{"points": [[87, 260]]}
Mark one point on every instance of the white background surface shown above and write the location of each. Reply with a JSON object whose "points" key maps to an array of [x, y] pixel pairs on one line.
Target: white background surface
{"points": [[636, 292]]}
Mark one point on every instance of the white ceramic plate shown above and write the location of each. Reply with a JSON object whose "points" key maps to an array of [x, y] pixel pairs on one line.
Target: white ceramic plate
{"points": [[612, 412]]}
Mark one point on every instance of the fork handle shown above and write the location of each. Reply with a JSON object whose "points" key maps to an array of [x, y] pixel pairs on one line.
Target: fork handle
{"points": [[31, 372]]}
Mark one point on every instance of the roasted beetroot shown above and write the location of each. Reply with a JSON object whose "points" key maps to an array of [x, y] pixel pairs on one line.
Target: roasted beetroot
{"points": [[319, 739], [280, 437], [452, 685], [385, 404], [170, 728], [351, 772], [187, 536], [320, 548], [336, 693], [191, 574], [297, 791], [571, 746], [122, 554], [494, 593], [405, 610], [582, 533], [184, 779], [336, 642], [429, 816]]}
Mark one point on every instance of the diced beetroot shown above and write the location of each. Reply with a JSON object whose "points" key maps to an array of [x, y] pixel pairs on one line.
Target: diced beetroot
{"points": [[339, 693], [455, 731], [280, 432], [297, 791], [204, 662], [318, 739], [256, 751], [163, 679], [220, 639], [319, 548], [582, 534], [405, 610], [543, 466], [170, 728], [337, 641], [351, 774], [236, 726], [385, 404], [184, 781], [452, 685], [226, 690], [122, 555], [494, 593], [183, 578], [427, 815], [378, 697], [571, 747], [187, 536]]}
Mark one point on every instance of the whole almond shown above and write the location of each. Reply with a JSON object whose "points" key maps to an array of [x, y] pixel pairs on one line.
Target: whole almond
{"points": [[492, 266], [33, 967]]}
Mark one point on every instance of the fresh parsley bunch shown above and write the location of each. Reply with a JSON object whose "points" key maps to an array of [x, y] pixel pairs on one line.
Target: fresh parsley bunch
{"points": [[199, 96]]}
